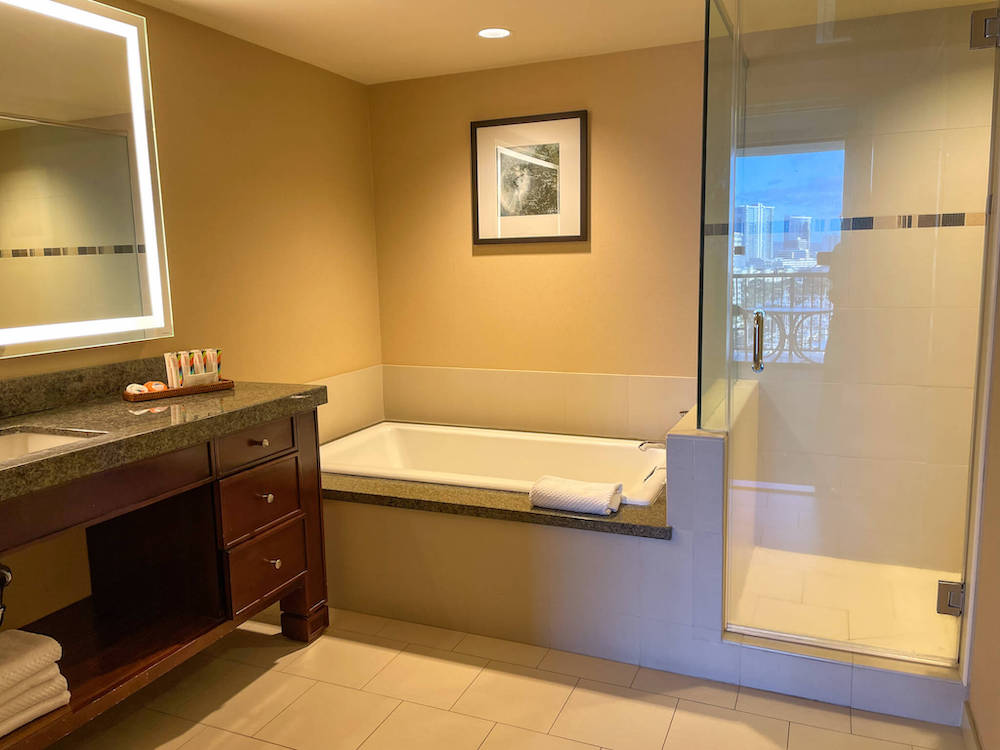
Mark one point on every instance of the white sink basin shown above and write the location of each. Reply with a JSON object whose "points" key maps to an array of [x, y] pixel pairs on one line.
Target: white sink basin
{"points": [[20, 441]]}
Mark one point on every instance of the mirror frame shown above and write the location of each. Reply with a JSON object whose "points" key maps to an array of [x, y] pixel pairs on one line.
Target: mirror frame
{"points": [[50, 337]]}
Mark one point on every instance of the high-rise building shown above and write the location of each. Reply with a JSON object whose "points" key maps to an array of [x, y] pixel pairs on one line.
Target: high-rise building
{"points": [[798, 234], [756, 222]]}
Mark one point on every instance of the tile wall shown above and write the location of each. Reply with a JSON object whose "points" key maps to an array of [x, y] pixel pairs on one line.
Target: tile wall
{"points": [[624, 406]]}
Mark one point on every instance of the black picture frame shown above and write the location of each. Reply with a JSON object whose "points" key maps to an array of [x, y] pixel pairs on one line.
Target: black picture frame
{"points": [[583, 116]]}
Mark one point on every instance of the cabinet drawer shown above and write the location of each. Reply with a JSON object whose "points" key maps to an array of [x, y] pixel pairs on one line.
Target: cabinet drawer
{"points": [[255, 443], [265, 564], [258, 497]]}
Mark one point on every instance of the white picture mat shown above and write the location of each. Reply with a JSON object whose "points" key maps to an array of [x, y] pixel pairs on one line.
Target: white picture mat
{"points": [[567, 222]]}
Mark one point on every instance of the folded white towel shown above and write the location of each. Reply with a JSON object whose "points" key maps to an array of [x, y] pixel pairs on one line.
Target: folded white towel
{"points": [[23, 654], [573, 495], [39, 709], [39, 678], [33, 697]]}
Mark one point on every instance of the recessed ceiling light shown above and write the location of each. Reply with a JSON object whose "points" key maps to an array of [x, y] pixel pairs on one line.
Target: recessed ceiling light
{"points": [[494, 33]]}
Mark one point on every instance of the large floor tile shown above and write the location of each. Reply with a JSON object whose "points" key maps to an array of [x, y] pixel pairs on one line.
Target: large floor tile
{"points": [[422, 635], [229, 695], [690, 688], [416, 727], [220, 739], [615, 717], [799, 710], [356, 622], [801, 737], [589, 667], [920, 734], [504, 737], [258, 644], [520, 696], [700, 727], [429, 676], [140, 729], [349, 659], [328, 717], [510, 652]]}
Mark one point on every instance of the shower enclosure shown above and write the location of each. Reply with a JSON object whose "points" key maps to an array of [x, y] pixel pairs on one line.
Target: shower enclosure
{"points": [[846, 172]]}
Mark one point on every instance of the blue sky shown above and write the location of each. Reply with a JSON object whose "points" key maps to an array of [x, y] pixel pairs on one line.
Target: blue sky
{"points": [[809, 183]]}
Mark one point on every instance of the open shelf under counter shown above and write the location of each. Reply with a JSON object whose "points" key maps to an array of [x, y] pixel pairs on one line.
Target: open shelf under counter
{"points": [[108, 656]]}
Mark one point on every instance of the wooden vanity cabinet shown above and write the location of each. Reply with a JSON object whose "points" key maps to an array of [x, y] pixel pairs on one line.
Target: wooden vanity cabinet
{"points": [[182, 548]]}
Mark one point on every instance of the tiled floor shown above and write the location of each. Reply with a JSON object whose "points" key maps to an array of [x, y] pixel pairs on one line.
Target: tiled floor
{"points": [[379, 684], [882, 606]]}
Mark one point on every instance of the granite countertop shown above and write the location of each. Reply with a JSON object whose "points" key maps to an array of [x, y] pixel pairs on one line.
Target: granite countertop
{"points": [[632, 520], [135, 431]]}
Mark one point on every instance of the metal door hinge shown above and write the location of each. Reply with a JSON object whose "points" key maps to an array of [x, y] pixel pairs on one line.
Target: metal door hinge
{"points": [[951, 598], [985, 29]]}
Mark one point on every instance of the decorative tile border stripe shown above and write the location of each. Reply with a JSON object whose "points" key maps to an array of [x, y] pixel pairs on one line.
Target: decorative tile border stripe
{"points": [[51, 252], [861, 223]]}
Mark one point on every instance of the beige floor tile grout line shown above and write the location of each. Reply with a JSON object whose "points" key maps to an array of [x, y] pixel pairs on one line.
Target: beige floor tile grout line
{"points": [[275, 717], [563, 706], [670, 724], [466, 689], [384, 720]]}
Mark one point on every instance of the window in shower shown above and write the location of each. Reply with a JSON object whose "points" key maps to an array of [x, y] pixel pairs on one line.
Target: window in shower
{"points": [[787, 226]]}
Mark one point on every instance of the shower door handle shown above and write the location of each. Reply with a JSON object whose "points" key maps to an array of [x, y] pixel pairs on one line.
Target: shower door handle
{"points": [[758, 341]]}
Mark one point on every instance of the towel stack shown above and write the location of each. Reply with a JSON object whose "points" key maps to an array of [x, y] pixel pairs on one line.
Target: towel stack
{"points": [[30, 682]]}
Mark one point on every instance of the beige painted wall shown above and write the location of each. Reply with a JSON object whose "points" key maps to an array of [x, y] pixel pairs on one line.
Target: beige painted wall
{"points": [[624, 302], [267, 198]]}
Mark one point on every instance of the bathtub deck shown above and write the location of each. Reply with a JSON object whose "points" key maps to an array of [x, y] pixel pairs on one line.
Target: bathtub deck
{"points": [[631, 520]]}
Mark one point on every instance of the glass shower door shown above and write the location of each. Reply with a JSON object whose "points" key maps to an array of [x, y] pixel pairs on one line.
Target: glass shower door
{"points": [[856, 230]]}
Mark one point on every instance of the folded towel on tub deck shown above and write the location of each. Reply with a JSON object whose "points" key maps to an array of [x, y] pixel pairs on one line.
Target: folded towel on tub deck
{"points": [[32, 697], [573, 495], [29, 715], [24, 654]]}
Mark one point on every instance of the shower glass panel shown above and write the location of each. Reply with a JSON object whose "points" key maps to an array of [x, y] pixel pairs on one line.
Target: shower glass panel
{"points": [[855, 223], [714, 362]]}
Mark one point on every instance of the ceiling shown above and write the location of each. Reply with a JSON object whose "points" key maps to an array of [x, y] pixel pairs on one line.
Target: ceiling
{"points": [[374, 41]]}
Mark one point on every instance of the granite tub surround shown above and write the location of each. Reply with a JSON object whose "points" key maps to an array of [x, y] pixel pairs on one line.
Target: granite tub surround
{"points": [[632, 520], [135, 431]]}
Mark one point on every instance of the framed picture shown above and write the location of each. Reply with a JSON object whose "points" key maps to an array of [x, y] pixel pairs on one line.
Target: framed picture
{"points": [[529, 179]]}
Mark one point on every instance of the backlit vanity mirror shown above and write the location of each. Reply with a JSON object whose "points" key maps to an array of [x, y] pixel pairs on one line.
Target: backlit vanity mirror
{"points": [[82, 258]]}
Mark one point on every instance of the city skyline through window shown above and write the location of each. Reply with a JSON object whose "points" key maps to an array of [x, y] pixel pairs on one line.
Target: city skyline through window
{"points": [[788, 213], [788, 206]]}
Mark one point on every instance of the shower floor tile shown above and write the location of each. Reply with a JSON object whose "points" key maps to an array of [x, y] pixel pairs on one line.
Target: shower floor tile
{"points": [[867, 604]]}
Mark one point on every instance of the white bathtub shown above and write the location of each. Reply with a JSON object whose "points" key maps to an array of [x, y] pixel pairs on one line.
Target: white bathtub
{"points": [[494, 459]]}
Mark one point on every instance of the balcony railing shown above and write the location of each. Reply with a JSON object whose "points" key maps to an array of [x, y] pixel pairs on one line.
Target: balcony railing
{"points": [[797, 313]]}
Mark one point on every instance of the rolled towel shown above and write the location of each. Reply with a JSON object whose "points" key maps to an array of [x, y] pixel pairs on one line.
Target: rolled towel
{"points": [[24, 654], [33, 697], [573, 495], [29, 715], [39, 678]]}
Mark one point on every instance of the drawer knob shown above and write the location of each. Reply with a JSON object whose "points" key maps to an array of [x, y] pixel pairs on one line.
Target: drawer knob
{"points": [[267, 497], [275, 563], [262, 443]]}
